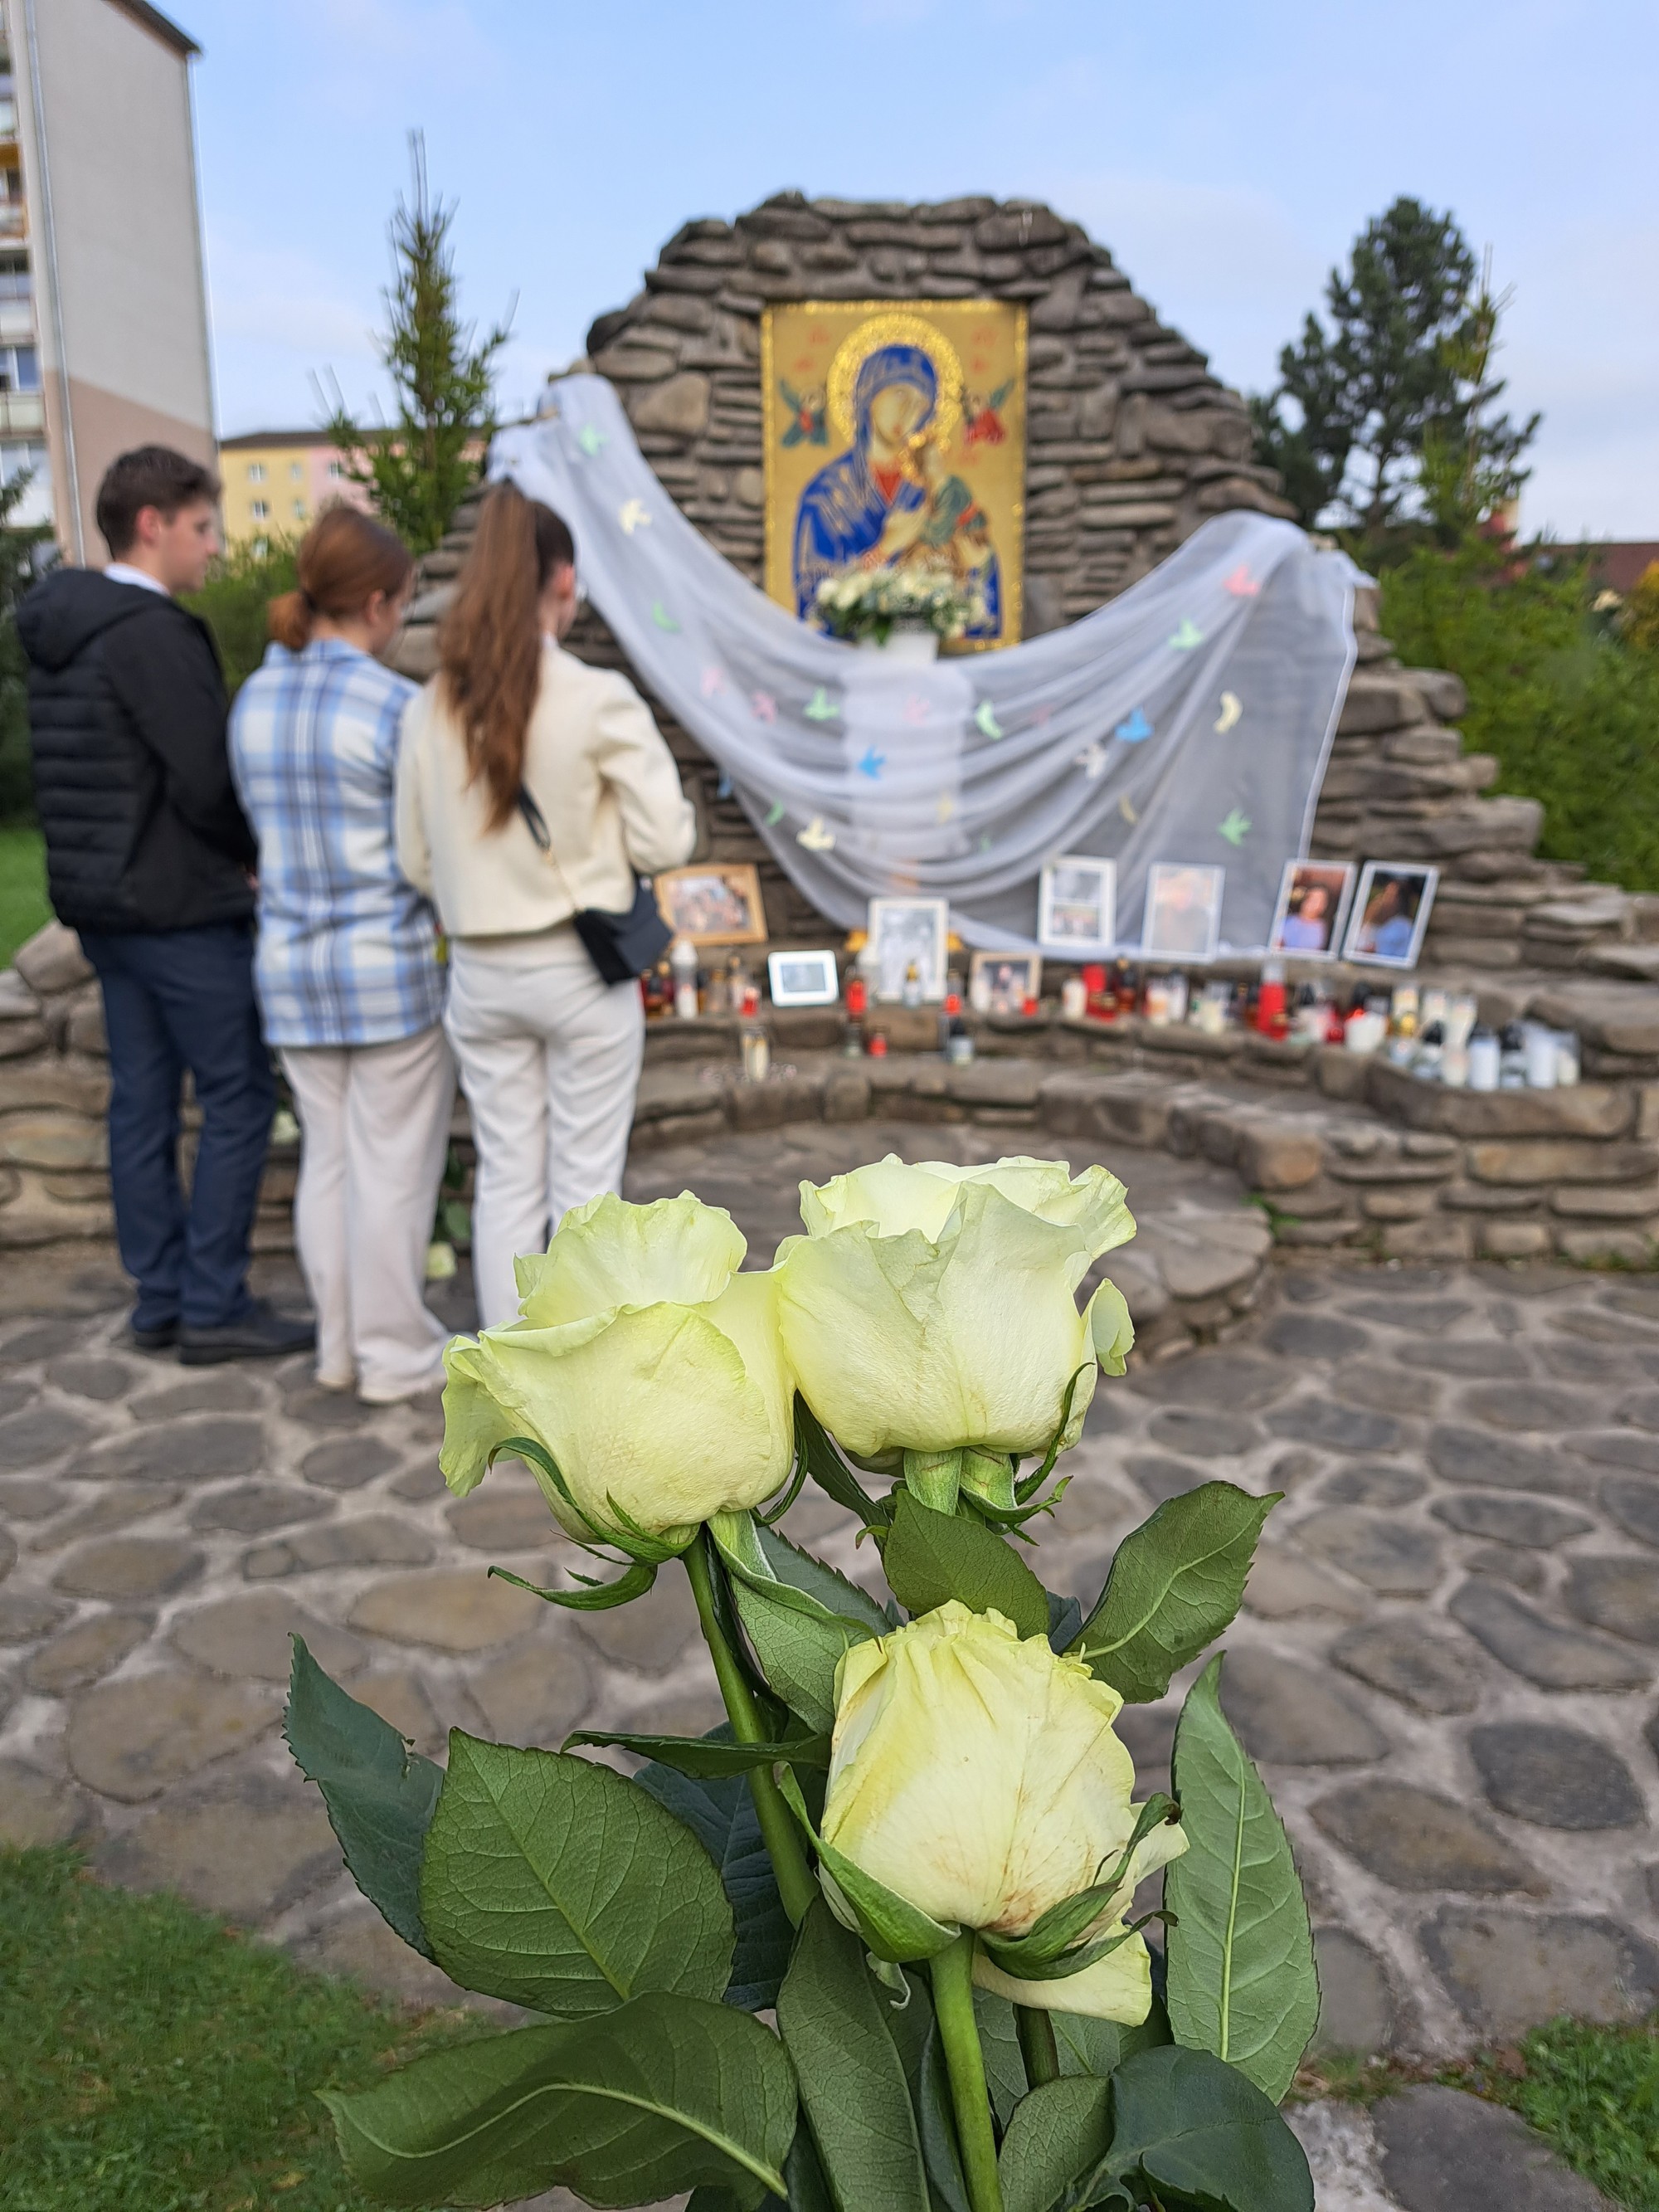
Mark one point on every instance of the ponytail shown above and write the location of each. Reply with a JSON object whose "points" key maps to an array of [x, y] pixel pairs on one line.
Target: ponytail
{"points": [[489, 649], [344, 559]]}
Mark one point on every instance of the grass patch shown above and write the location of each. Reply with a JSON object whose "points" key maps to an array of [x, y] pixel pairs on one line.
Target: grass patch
{"points": [[155, 2061], [1592, 2093], [23, 906]]}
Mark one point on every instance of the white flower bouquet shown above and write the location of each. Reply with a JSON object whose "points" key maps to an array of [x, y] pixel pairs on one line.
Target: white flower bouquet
{"points": [[875, 602], [871, 1945]]}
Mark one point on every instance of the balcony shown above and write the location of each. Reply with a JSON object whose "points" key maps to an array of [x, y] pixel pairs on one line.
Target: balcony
{"points": [[14, 219], [16, 322], [7, 120], [23, 414]]}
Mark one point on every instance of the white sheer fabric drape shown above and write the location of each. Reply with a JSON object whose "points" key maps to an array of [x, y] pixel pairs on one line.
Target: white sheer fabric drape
{"points": [[1188, 721]]}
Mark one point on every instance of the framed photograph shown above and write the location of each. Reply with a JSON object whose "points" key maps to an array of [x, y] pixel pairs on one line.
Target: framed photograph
{"points": [[713, 903], [803, 979], [1001, 982], [1313, 905], [902, 930], [1390, 913], [1183, 911], [1077, 904]]}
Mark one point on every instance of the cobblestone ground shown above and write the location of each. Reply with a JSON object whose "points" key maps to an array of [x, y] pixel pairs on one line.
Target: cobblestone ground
{"points": [[1445, 1663]]}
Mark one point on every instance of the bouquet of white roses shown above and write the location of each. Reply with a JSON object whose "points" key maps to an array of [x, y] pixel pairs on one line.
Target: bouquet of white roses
{"points": [[871, 1946], [873, 603]]}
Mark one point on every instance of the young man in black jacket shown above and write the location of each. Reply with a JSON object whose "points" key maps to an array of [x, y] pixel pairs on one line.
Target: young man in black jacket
{"points": [[149, 858]]}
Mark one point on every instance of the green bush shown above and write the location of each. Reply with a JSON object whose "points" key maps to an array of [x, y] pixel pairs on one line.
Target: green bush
{"points": [[232, 602], [1570, 708]]}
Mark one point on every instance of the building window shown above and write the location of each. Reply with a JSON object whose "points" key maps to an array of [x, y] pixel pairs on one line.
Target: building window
{"points": [[295, 471], [19, 454], [14, 281], [335, 470], [261, 547], [256, 472], [259, 509], [298, 510], [20, 369]]}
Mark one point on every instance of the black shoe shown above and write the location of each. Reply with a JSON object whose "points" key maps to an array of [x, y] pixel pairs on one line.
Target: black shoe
{"points": [[161, 1337], [261, 1333]]}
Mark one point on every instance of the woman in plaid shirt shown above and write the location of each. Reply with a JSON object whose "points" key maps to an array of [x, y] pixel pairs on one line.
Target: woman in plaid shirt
{"points": [[347, 969]]}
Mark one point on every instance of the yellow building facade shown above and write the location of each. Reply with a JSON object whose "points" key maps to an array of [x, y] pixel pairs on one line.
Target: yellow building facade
{"points": [[277, 482]]}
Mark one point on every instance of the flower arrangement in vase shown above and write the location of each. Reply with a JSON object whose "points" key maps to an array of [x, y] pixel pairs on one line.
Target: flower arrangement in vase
{"points": [[875, 603], [871, 1946]]}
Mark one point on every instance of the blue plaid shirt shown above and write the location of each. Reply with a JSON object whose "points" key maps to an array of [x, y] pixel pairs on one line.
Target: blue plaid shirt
{"points": [[348, 951]]}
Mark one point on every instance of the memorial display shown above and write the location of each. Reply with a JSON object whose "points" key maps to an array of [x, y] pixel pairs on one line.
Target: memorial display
{"points": [[1313, 905], [1390, 913]]}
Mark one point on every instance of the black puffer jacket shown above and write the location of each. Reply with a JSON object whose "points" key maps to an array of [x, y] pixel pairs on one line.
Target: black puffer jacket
{"points": [[133, 781]]}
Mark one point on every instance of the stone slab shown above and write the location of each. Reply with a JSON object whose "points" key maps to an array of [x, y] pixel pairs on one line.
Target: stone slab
{"points": [[375, 1539], [1442, 2151], [247, 1637], [247, 1845], [1287, 1716], [130, 1740], [1499, 1519], [454, 1611], [85, 1653], [39, 1810], [1619, 1594], [124, 1567], [1415, 1839], [1507, 1970], [1530, 1643], [1423, 1667], [1385, 1554], [1556, 1777]]}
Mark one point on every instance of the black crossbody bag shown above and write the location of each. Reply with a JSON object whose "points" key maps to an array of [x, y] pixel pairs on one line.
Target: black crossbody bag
{"points": [[621, 946]]}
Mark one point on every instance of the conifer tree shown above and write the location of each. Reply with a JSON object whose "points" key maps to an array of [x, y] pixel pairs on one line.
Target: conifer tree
{"points": [[419, 468]]}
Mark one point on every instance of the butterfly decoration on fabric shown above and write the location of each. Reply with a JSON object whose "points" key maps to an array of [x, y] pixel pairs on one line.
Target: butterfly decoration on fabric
{"points": [[808, 412], [985, 843], [983, 423], [821, 708], [1092, 760], [1189, 635], [634, 514], [1241, 583], [945, 808], [713, 682], [764, 707], [872, 764], [660, 616], [816, 837], [1232, 707], [1126, 811], [775, 814], [1235, 829], [1135, 730], [723, 784], [591, 441], [985, 723], [917, 710]]}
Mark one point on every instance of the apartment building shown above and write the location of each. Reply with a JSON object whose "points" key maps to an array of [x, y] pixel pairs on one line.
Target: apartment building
{"points": [[276, 482], [103, 306]]}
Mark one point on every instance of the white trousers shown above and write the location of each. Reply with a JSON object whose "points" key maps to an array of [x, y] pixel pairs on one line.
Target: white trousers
{"points": [[549, 1060], [374, 1121]]}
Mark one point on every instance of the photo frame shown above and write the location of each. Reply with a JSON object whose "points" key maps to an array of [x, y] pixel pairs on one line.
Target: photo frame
{"points": [[803, 979], [1077, 905], [902, 930], [713, 903], [1012, 977], [1182, 920], [1390, 913], [1313, 909]]}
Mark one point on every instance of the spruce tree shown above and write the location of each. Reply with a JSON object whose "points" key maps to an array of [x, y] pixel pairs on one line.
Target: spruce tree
{"points": [[418, 469]]}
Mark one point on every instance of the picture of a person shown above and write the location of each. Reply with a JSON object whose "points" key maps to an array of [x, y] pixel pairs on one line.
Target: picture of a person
{"points": [[1390, 920], [1307, 926]]}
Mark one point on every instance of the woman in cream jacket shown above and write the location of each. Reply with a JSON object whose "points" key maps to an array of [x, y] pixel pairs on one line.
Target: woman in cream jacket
{"points": [[548, 1054]]}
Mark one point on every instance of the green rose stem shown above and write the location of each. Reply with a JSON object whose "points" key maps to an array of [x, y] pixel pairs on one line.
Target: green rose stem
{"points": [[777, 1824], [1037, 2046], [952, 1973]]}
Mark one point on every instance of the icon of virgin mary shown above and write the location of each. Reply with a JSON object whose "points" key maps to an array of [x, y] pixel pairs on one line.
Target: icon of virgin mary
{"points": [[891, 497]]}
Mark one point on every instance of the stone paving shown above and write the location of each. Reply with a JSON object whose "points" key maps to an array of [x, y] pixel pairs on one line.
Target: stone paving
{"points": [[1446, 1661]]}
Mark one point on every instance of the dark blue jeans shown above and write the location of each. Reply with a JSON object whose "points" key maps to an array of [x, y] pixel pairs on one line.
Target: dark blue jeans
{"points": [[175, 1000]]}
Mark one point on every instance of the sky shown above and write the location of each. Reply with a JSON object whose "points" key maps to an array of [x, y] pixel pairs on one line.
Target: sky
{"points": [[1226, 151]]}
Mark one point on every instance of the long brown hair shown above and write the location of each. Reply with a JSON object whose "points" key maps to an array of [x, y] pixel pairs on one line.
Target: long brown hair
{"points": [[488, 646], [345, 558]]}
